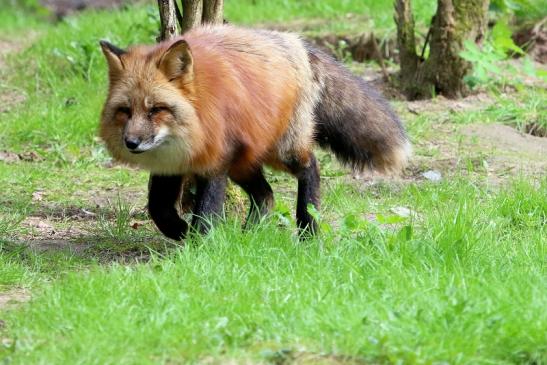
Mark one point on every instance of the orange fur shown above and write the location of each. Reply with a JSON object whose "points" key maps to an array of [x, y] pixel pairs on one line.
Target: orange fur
{"points": [[240, 101]]}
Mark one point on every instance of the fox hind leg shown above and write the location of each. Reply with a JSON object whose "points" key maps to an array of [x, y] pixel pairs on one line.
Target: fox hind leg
{"points": [[307, 173]]}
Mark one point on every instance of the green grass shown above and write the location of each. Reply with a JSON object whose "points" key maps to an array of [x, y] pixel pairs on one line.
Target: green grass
{"points": [[528, 109], [462, 284], [366, 14], [462, 281], [16, 15]]}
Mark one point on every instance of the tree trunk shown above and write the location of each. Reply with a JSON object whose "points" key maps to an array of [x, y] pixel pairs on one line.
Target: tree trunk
{"points": [[407, 42], [193, 14], [168, 19], [442, 73], [212, 11]]}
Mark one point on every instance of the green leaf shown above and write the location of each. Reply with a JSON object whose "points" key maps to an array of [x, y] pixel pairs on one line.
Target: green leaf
{"points": [[390, 219]]}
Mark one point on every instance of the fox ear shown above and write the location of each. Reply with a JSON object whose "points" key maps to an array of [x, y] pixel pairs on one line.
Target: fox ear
{"points": [[177, 62], [113, 57]]}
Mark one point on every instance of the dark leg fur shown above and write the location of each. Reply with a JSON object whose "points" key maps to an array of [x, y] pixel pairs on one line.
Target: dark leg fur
{"points": [[163, 195], [260, 193], [308, 192], [210, 194]]}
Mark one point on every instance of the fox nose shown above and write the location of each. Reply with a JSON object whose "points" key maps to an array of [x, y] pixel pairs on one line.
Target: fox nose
{"points": [[132, 142]]}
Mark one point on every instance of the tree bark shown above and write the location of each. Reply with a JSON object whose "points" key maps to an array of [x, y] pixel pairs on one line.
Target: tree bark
{"points": [[442, 73], [407, 41], [192, 14], [213, 11], [168, 20]]}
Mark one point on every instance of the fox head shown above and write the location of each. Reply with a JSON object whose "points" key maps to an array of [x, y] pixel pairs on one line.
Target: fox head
{"points": [[148, 119]]}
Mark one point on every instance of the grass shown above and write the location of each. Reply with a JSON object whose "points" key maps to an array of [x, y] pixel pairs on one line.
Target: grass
{"points": [[528, 109], [458, 279], [345, 16], [462, 285]]}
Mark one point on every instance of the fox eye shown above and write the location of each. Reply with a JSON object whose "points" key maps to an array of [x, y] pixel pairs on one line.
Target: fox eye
{"points": [[155, 110], [124, 110]]}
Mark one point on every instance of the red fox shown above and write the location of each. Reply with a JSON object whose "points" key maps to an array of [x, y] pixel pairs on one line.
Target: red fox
{"points": [[223, 101]]}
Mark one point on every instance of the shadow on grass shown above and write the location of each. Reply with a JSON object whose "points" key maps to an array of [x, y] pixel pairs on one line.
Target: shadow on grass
{"points": [[88, 249]]}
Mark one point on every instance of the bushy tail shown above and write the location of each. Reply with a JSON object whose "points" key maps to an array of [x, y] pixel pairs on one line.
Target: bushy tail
{"points": [[354, 121]]}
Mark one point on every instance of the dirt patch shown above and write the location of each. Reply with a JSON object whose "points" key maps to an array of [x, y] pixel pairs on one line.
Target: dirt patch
{"points": [[45, 245], [11, 157], [442, 104], [13, 297], [507, 140], [303, 25], [9, 98], [70, 212], [7, 47], [497, 152], [44, 228]]}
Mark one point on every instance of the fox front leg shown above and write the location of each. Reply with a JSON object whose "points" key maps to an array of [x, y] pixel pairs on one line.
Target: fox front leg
{"points": [[163, 195], [209, 202]]}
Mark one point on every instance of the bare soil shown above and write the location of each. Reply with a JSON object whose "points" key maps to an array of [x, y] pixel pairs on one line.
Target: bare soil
{"points": [[506, 140], [442, 104], [509, 152], [13, 297]]}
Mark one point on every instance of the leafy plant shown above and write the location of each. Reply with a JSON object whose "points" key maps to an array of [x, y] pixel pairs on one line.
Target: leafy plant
{"points": [[522, 9], [486, 59]]}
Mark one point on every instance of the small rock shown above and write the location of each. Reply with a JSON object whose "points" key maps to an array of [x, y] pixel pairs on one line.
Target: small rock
{"points": [[38, 196], [88, 213], [413, 109], [137, 224], [30, 156], [432, 175], [404, 212], [6, 156]]}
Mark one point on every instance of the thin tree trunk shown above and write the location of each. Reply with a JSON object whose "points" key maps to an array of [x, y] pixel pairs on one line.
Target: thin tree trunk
{"points": [[213, 11], [406, 41], [442, 73], [168, 19], [192, 14]]}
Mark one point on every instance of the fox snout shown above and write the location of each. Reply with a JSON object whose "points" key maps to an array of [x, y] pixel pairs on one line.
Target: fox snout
{"points": [[132, 142], [139, 136]]}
